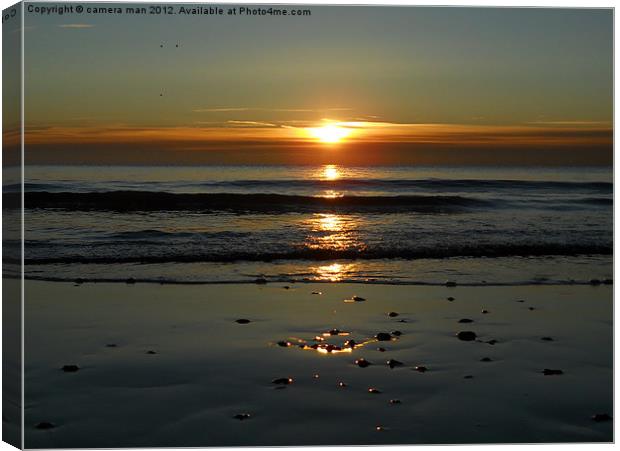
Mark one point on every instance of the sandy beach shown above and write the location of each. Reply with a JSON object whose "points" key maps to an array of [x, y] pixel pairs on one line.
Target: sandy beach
{"points": [[168, 365]]}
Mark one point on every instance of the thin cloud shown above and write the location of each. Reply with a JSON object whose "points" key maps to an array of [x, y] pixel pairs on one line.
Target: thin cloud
{"points": [[76, 25], [278, 110]]}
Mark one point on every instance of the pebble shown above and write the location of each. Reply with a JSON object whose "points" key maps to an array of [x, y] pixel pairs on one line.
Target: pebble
{"points": [[374, 390], [379, 428], [381, 349], [466, 335], [466, 320], [316, 376], [111, 345], [395, 401], [469, 376], [393, 314], [282, 381], [243, 321], [70, 368], [242, 416], [316, 292], [284, 344], [421, 369], [450, 283], [362, 363], [358, 299], [530, 308], [484, 312], [45, 425], [350, 343], [151, 352], [393, 363], [397, 333], [383, 336], [548, 372], [286, 287], [547, 339], [491, 342], [402, 320], [600, 417], [342, 384], [486, 359], [450, 299]]}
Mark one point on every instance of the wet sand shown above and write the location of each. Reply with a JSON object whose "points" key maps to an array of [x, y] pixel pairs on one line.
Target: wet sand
{"points": [[168, 365]]}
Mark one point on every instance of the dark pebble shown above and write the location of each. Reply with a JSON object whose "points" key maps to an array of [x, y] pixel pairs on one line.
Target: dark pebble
{"points": [[151, 352], [380, 428], [316, 292], [260, 281], [547, 339], [466, 321], [70, 368], [349, 343], [421, 369], [484, 312], [374, 390], [381, 349], [284, 344], [242, 416], [362, 363], [469, 376], [486, 359], [342, 384], [243, 321], [383, 336], [45, 425], [392, 314], [466, 335], [358, 299], [548, 372], [334, 331], [397, 333], [530, 308], [600, 417], [110, 345], [402, 320], [282, 381], [450, 283], [395, 401], [492, 342], [520, 300], [393, 363], [450, 299]]}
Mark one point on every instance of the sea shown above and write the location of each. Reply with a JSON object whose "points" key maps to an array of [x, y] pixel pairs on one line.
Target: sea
{"points": [[327, 223]]}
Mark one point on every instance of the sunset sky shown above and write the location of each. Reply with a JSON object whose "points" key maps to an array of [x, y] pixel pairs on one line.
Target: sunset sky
{"points": [[348, 84]]}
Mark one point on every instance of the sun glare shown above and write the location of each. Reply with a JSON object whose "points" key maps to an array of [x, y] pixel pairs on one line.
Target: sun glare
{"points": [[330, 134], [331, 172]]}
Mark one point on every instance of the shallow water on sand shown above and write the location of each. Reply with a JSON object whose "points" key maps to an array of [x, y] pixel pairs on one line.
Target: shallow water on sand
{"points": [[208, 368]]}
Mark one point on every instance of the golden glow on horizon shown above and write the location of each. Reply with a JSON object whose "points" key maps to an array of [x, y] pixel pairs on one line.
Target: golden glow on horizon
{"points": [[330, 133]]}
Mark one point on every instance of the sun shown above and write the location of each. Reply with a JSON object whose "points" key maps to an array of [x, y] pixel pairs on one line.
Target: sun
{"points": [[330, 133]]}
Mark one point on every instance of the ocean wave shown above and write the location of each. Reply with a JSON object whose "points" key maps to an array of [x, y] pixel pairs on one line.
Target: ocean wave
{"points": [[306, 254], [128, 201], [343, 184]]}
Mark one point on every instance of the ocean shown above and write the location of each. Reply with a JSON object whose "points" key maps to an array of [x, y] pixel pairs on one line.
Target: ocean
{"points": [[330, 223]]}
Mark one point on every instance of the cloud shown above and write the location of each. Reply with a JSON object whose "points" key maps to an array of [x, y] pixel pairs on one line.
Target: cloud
{"points": [[76, 25], [278, 110]]}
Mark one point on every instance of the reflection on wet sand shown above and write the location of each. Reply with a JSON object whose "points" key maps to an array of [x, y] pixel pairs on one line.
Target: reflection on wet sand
{"points": [[326, 343]]}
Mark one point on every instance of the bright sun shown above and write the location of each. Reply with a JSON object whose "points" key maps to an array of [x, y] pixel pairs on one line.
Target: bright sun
{"points": [[330, 133]]}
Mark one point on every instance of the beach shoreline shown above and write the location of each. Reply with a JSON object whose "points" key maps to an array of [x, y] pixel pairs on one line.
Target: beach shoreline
{"points": [[168, 365]]}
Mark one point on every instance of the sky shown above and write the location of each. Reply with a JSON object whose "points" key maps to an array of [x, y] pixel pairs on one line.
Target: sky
{"points": [[363, 85]]}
